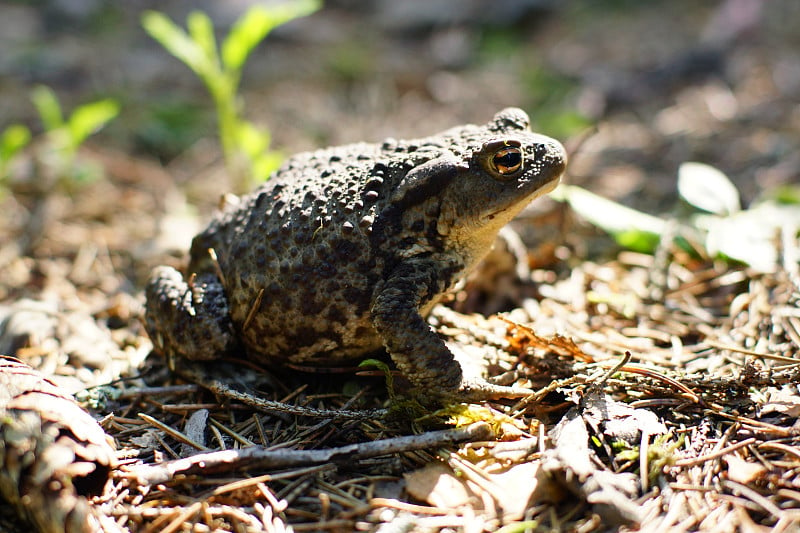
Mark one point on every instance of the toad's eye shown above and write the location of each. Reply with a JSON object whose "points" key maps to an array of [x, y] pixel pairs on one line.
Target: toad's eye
{"points": [[507, 160]]}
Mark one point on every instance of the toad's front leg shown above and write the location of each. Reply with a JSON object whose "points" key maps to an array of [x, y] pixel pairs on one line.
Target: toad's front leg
{"points": [[415, 348], [191, 319]]}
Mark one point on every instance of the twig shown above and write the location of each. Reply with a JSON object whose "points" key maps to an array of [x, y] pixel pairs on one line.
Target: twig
{"points": [[198, 374], [613, 370], [172, 432], [694, 461], [753, 496], [258, 457]]}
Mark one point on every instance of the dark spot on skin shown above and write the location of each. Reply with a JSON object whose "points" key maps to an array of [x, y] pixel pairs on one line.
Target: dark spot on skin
{"points": [[353, 295], [335, 314], [374, 183], [239, 249], [259, 204], [344, 248], [362, 332], [408, 242], [432, 234], [325, 270], [305, 336], [309, 306], [322, 252]]}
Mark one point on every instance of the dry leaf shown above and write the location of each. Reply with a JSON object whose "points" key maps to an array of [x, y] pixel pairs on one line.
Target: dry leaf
{"points": [[437, 484], [518, 483], [743, 471], [785, 401]]}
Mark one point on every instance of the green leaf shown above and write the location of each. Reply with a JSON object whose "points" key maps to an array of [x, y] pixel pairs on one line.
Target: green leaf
{"points": [[374, 363], [201, 30], [520, 527], [708, 189], [14, 138], [630, 227], [89, 118], [266, 164], [46, 103], [175, 40], [255, 24], [784, 194], [252, 141], [637, 240], [383, 367]]}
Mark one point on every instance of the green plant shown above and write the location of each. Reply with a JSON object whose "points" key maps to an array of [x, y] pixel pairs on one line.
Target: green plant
{"points": [[12, 141], [551, 99], [719, 225], [245, 147], [66, 135]]}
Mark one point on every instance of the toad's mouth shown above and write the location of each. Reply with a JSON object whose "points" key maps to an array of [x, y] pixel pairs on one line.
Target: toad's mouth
{"points": [[518, 206]]}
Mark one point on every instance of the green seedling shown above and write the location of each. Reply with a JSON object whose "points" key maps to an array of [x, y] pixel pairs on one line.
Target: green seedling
{"points": [[65, 136], [13, 140], [387, 373], [718, 223], [245, 147]]}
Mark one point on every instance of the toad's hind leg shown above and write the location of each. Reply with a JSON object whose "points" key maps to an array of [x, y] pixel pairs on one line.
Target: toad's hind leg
{"points": [[188, 320]]}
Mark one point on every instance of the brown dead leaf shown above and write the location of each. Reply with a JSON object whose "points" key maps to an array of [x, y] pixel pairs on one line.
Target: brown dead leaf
{"points": [[743, 471], [522, 338], [518, 484], [785, 401], [619, 421], [511, 489], [437, 485]]}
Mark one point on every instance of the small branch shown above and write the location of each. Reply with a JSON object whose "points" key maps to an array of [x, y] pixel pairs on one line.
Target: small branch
{"points": [[261, 458], [694, 461], [200, 374]]}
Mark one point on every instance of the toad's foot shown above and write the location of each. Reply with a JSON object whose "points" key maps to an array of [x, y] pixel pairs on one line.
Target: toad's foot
{"points": [[188, 319]]}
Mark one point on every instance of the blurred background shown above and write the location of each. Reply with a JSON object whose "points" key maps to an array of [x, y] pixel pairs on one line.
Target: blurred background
{"points": [[663, 81]]}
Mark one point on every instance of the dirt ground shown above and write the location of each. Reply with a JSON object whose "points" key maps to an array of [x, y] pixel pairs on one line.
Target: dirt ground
{"points": [[634, 89]]}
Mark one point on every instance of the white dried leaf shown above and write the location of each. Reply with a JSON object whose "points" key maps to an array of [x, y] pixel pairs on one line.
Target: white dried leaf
{"points": [[706, 188]]}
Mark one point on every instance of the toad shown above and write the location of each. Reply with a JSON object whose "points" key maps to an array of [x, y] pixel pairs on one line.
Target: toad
{"points": [[345, 250]]}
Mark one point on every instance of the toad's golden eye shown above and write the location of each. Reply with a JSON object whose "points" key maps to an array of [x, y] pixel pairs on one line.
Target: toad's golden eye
{"points": [[507, 160]]}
